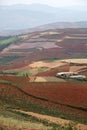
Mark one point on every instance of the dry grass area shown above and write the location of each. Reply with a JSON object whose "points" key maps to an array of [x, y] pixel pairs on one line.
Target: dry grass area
{"points": [[59, 121], [53, 64], [13, 124], [75, 37], [79, 61], [78, 64], [48, 79], [77, 68], [51, 32]]}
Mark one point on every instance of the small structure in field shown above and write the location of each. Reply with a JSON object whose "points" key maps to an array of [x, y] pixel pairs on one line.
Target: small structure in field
{"points": [[66, 74], [70, 75], [80, 77]]}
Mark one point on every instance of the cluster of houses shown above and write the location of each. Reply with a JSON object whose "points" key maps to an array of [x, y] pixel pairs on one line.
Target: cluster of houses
{"points": [[71, 75]]}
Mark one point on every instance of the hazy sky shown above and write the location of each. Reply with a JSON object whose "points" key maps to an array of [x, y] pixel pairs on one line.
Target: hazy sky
{"points": [[49, 2]]}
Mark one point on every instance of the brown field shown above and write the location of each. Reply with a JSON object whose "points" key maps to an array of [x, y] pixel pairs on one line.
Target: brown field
{"points": [[53, 71]]}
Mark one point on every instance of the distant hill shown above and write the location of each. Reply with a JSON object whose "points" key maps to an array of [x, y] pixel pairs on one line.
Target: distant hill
{"points": [[57, 25], [17, 17]]}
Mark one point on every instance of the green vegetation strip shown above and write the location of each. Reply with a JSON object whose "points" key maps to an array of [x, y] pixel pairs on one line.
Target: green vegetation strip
{"points": [[4, 42], [7, 59]]}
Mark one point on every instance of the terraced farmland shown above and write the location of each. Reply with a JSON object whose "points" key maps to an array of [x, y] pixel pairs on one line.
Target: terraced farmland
{"points": [[37, 57], [45, 45]]}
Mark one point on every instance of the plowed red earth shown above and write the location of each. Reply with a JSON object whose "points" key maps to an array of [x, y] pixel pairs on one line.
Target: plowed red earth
{"points": [[74, 93], [62, 94]]}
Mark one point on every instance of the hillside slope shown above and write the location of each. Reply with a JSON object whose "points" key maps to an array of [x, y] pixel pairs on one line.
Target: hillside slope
{"points": [[44, 45]]}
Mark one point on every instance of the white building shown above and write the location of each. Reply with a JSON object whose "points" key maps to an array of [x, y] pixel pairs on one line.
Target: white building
{"points": [[70, 75], [82, 77], [66, 74]]}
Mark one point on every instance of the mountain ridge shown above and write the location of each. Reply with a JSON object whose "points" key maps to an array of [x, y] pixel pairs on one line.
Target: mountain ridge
{"points": [[57, 25], [17, 17]]}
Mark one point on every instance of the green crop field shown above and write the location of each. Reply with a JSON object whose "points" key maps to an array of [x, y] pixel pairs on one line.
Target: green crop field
{"points": [[6, 41], [6, 59]]}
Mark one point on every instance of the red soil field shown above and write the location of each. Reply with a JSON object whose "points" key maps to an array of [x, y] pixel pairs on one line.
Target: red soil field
{"points": [[60, 95], [74, 93], [66, 93]]}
